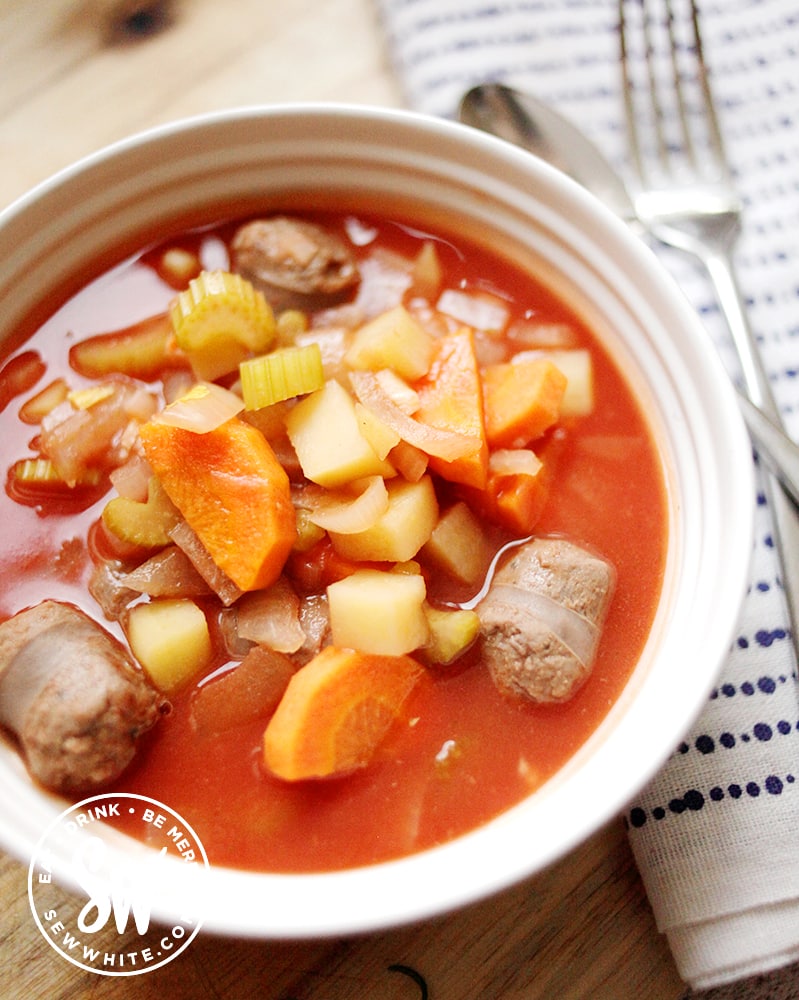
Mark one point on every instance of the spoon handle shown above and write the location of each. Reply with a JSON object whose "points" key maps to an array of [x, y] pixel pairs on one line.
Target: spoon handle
{"points": [[777, 450], [779, 453]]}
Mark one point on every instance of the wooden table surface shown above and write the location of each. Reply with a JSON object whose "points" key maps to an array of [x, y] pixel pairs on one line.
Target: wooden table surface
{"points": [[72, 81]]}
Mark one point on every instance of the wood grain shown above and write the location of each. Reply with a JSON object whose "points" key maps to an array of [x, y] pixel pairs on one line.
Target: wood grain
{"points": [[583, 928]]}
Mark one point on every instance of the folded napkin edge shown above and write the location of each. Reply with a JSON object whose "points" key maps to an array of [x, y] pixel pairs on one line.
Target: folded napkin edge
{"points": [[717, 952]]}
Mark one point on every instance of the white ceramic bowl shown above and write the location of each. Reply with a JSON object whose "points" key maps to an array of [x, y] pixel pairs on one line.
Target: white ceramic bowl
{"points": [[195, 171]]}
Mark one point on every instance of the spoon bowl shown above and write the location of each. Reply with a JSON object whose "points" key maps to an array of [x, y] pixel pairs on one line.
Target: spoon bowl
{"points": [[525, 121]]}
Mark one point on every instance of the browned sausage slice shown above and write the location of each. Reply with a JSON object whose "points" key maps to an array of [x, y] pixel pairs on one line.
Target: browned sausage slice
{"points": [[542, 619], [293, 262], [73, 696]]}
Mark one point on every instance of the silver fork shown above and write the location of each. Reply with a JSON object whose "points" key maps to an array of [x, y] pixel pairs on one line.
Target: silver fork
{"points": [[686, 198]]}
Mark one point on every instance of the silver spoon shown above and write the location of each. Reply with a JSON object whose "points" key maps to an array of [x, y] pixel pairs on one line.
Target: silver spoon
{"points": [[525, 121]]}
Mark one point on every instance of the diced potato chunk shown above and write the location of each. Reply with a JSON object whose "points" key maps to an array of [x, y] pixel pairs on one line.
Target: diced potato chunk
{"points": [[325, 433], [452, 632], [378, 612], [170, 640], [458, 545], [398, 534], [392, 340], [578, 399]]}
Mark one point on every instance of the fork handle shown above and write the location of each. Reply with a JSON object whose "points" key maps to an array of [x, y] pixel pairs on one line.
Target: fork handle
{"points": [[721, 270]]}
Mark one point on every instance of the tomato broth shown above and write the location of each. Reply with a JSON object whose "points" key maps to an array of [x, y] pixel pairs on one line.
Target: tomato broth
{"points": [[461, 753]]}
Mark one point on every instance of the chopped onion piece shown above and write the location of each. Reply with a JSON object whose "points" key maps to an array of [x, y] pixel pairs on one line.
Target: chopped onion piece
{"points": [[489, 350], [169, 573], [186, 539], [447, 445], [249, 691], [177, 383], [333, 342], [75, 440], [410, 462], [398, 390], [124, 447], [385, 277], [478, 310], [514, 462], [132, 479], [544, 336], [139, 404], [271, 618], [203, 408], [345, 515], [106, 587]]}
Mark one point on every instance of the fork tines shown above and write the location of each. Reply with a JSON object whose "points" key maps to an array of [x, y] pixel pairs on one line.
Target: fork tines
{"points": [[670, 115]]}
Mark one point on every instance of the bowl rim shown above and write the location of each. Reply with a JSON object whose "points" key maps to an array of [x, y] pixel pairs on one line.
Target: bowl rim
{"points": [[383, 895]]}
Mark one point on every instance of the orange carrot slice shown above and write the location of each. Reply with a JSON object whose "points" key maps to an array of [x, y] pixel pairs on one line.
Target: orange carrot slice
{"points": [[233, 493], [451, 398], [517, 500], [514, 501], [335, 712], [522, 400]]}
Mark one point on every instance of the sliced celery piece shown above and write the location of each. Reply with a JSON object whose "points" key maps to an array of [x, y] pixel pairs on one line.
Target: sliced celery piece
{"points": [[41, 471], [219, 320], [288, 372]]}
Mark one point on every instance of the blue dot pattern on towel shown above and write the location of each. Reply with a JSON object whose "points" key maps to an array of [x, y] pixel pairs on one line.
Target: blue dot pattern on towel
{"points": [[708, 743]]}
